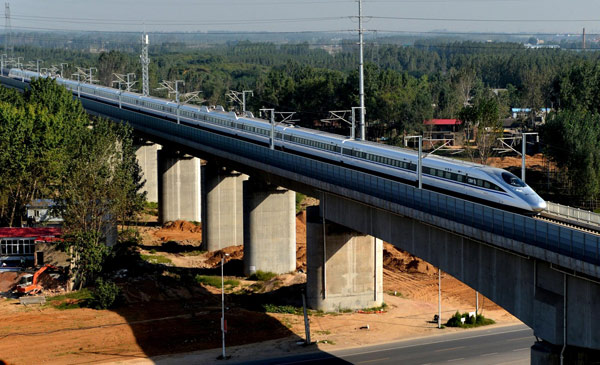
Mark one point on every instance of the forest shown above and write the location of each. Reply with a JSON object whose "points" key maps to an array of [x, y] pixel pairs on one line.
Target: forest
{"points": [[404, 85]]}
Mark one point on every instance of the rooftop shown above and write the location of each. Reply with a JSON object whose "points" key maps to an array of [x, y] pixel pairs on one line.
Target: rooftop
{"points": [[29, 232]]}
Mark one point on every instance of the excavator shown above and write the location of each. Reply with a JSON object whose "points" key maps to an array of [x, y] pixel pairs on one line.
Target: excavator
{"points": [[29, 283]]}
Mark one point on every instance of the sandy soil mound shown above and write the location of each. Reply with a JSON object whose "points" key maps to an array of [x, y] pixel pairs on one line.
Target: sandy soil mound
{"points": [[213, 259], [181, 231], [533, 162], [8, 280], [401, 261]]}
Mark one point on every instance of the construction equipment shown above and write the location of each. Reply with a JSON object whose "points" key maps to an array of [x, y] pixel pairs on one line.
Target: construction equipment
{"points": [[29, 283]]}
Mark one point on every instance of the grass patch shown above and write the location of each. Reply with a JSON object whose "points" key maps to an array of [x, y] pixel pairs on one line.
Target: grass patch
{"points": [[323, 332], [156, 259], [299, 198], [76, 299], [262, 275], [215, 281], [288, 309], [470, 321]]}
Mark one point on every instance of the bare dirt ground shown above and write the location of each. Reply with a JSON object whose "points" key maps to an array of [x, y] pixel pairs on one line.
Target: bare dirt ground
{"points": [[535, 162], [166, 311]]}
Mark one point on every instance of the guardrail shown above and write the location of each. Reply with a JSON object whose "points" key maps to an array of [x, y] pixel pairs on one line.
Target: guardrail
{"points": [[574, 214]]}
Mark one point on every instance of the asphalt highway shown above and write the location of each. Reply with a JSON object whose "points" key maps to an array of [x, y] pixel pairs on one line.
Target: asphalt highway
{"points": [[502, 345]]}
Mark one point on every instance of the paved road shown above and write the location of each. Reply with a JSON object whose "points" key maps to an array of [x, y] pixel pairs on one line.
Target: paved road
{"points": [[504, 345]]}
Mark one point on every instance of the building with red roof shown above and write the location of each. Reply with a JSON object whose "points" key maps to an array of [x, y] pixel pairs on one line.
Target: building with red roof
{"points": [[441, 129], [21, 246]]}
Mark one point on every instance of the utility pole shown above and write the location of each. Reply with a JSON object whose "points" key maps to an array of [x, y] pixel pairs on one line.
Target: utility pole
{"points": [[420, 159], [172, 87], [8, 31], [439, 298], [234, 96], [523, 150], [272, 121], [145, 60], [125, 80], [62, 69], [37, 64], [361, 72]]}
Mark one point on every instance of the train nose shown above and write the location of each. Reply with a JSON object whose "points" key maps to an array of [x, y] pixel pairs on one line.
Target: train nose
{"points": [[539, 206]]}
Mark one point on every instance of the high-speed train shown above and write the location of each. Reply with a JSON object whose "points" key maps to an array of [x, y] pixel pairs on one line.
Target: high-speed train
{"points": [[492, 186]]}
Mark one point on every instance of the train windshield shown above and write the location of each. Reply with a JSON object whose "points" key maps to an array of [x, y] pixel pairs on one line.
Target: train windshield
{"points": [[513, 180]]}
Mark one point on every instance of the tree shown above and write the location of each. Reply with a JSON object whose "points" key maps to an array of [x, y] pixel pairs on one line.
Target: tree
{"points": [[100, 185], [483, 115], [573, 141]]}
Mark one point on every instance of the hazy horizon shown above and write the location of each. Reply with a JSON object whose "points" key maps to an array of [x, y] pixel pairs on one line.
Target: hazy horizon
{"points": [[493, 16]]}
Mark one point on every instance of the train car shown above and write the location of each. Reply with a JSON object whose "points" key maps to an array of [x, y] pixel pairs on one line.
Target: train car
{"points": [[472, 181]]}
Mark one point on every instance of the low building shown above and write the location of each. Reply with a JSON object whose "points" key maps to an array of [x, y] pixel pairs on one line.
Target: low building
{"points": [[39, 213], [441, 130], [22, 247]]}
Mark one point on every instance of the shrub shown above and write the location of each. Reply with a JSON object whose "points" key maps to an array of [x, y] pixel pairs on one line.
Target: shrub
{"points": [[105, 294], [470, 321], [262, 275], [215, 281], [289, 309]]}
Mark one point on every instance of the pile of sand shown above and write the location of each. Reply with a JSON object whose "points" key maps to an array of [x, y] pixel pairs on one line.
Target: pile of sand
{"points": [[181, 231], [213, 259], [401, 261], [8, 280]]}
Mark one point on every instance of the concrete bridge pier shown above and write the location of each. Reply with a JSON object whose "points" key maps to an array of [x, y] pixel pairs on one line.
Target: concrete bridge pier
{"points": [[222, 212], [147, 157], [269, 228], [178, 187], [344, 267]]}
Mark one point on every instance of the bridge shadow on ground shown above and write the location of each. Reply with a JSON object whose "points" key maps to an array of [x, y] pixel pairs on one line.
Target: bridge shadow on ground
{"points": [[169, 312]]}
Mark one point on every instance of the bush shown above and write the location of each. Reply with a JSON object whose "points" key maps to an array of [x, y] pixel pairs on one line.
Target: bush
{"points": [[105, 294], [215, 281], [262, 275], [470, 321], [289, 309]]}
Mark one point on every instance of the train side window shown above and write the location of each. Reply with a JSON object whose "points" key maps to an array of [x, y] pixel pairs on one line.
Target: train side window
{"points": [[448, 175], [440, 173], [460, 178], [487, 185], [471, 181], [479, 182]]}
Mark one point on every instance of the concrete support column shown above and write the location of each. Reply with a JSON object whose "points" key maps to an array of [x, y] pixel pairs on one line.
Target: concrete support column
{"points": [[344, 267], [178, 187], [222, 207], [147, 157], [269, 228]]}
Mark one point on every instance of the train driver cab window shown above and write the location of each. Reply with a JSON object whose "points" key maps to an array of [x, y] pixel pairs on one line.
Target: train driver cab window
{"points": [[513, 180]]}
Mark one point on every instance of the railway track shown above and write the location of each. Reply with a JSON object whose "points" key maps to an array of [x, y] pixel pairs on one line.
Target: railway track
{"points": [[571, 223]]}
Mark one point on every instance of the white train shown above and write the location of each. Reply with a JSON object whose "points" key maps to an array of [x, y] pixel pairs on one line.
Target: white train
{"points": [[493, 186]]}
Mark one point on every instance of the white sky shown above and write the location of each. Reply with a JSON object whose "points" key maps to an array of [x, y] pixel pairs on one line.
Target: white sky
{"points": [[544, 16]]}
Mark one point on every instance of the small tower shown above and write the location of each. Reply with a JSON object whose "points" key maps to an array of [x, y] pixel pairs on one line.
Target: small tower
{"points": [[145, 60]]}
